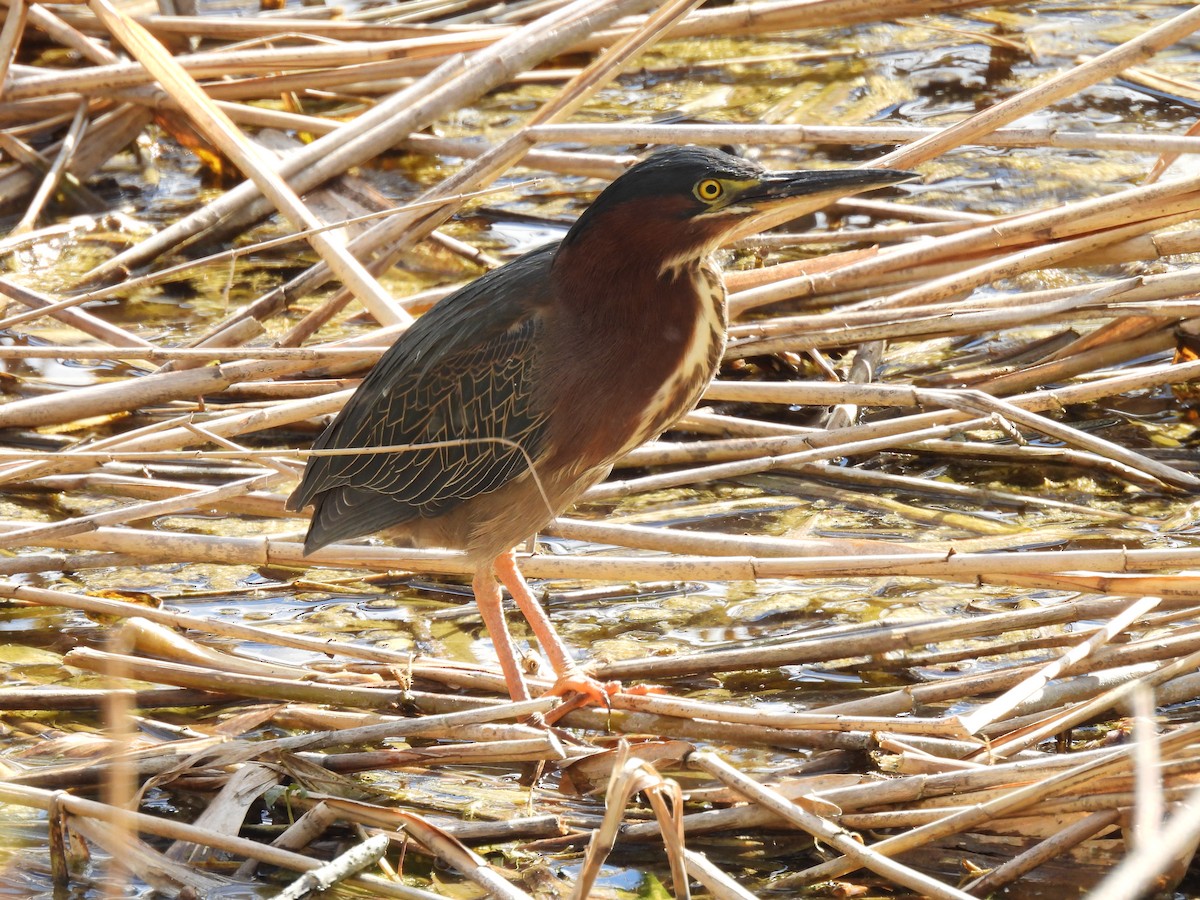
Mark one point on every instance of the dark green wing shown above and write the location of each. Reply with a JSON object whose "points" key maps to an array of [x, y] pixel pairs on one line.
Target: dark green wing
{"points": [[457, 387]]}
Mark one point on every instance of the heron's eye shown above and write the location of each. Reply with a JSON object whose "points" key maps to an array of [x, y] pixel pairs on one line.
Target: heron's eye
{"points": [[709, 190]]}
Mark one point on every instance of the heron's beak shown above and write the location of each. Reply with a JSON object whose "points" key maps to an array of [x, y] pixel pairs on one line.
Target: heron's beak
{"points": [[781, 196]]}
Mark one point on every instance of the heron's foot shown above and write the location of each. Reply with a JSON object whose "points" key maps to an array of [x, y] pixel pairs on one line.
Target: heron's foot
{"points": [[584, 687], [578, 691]]}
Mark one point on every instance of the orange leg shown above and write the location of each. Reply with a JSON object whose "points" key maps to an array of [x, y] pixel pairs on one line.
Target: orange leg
{"points": [[487, 596], [569, 677]]}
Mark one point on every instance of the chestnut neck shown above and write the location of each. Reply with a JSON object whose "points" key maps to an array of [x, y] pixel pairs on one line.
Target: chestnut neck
{"points": [[624, 268]]}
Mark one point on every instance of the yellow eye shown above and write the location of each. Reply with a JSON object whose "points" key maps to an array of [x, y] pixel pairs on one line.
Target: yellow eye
{"points": [[709, 190]]}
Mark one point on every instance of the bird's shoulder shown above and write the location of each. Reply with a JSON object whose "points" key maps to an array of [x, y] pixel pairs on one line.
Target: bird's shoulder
{"points": [[461, 352], [485, 310]]}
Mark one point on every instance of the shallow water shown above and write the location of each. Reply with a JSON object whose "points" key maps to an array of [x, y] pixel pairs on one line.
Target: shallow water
{"points": [[928, 72]]}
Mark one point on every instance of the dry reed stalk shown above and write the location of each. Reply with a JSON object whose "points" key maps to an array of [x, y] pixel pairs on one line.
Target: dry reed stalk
{"points": [[44, 113], [982, 498], [250, 633], [139, 860], [294, 26], [240, 684], [1094, 680], [987, 714], [823, 830], [910, 212], [356, 81], [1109, 669], [452, 85], [543, 748], [843, 643], [944, 320], [675, 541], [1096, 359], [1046, 256], [1111, 212], [616, 489], [593, 165], [814, 721], [10, 37], [79, 319], [720, 885], [170, 272], [38, 533], [442, 845], [32, 563], [323, 719], [1039, 824], [943, 564], [746, 279], [776, 15], [1104, 66], [360, 856], [47, 699], [1010, 311], [63, 33], [884, 234], [1069, 716], [597, 133], [218, 128], [1147, 247], [101, 79], [30, 117], [1141, 869], [106, 136], [943, 787], [960, 821], [1024, 455], [251, 503], [119, 396], [170, 828], [1109, 800], [393, 728], [55, 172]]}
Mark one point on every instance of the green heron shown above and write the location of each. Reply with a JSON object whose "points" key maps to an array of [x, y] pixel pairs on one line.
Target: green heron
{"points": [[511, 397]]}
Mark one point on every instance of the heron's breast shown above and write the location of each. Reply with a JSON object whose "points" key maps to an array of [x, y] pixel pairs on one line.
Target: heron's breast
{"points": [[695, 359]]}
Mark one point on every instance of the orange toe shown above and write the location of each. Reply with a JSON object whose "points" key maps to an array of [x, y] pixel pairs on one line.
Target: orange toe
{"points": [[591, 690], [579, 690]]}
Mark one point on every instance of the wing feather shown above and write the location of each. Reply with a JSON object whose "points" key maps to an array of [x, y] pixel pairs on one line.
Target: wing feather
{"points": [[459, 390]]}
